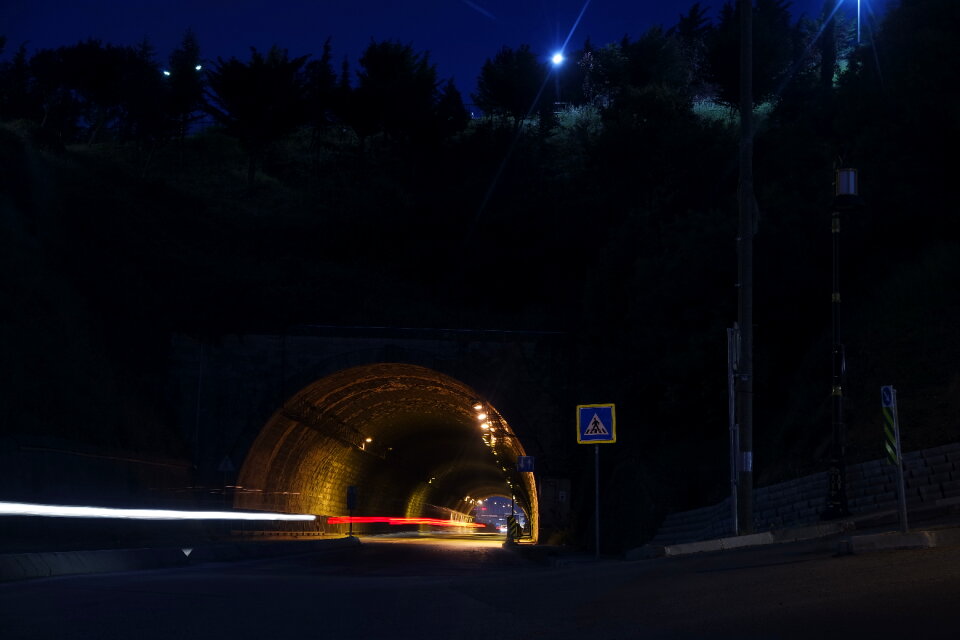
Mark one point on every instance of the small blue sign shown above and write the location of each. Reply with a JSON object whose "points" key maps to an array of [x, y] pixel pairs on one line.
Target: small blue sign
{"points": [[887, 397], [596, 424], [525, 463]]}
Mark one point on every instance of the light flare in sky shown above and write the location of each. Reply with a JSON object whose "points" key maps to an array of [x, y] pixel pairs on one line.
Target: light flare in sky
{"points": [[479, 9]]}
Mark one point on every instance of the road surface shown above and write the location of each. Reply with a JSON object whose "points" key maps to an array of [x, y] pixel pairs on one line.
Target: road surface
{"points": [[472, 588]]}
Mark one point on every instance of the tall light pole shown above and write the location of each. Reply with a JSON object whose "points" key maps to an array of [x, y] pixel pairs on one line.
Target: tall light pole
{"points": [[557, 61], [744, 380], [846, 197]]}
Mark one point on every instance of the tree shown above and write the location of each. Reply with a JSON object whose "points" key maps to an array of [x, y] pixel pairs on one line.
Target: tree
{"points": [[258, 101], [321, 90], [95, 74], [452, 116], [693, 31], [775, 47], [511, 84], [142, 118], [653, 64], [58, 109], [396, 92], [94, 89], [185, 83], [15, 99]]}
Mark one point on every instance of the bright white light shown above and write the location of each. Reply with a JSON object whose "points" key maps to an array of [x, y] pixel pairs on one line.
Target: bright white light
{"points": [[198, 67], [478, 406], [166, 73], [557, 59], [55, 511], [481, 416]]}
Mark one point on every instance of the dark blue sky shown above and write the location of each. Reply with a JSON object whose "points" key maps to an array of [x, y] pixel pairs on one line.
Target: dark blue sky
{"points": [[460, 34]]}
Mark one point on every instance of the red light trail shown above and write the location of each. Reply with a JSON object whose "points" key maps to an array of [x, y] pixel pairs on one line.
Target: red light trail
{"points": [[381, 519]]}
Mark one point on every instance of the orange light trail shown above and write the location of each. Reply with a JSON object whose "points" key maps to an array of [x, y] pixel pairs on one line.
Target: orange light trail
{"points": [[382, 519]]}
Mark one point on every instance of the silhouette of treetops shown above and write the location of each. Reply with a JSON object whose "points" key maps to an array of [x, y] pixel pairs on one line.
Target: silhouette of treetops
{"points": [[258, 101]]}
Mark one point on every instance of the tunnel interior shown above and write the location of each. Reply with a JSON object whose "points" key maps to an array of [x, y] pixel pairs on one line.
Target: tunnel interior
{"points": [[413, 441]]}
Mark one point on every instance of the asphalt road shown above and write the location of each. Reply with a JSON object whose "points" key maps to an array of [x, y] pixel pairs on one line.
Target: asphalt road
{"points": [[470, 588]]}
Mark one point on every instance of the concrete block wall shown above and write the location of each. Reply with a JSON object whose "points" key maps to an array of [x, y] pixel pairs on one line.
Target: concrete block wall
{"points": [[931, 475]]}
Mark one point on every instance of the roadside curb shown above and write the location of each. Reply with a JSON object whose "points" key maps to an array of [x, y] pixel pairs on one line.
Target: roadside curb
{"points": [[898, 540], [740, 542], [24, 566]]}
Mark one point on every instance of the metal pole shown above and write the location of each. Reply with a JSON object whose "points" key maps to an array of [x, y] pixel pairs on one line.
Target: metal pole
{"points": [[901, 489], [596, 475], [731, 416], [745, 260], [837, 494]]}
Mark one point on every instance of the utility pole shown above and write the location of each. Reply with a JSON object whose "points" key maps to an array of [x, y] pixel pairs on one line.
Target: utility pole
{"points": [[846, 198], [745, 267]]}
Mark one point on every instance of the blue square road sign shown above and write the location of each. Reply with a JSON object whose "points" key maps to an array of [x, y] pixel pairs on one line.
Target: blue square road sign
{"points": [[596, 424], [524, 463]]}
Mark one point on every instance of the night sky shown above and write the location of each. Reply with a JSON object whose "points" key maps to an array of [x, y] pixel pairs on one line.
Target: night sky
{"points": [[459, 34]]}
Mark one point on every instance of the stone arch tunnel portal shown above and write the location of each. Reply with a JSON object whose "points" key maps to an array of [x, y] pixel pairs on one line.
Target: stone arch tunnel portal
{"points": [[414, 441]]}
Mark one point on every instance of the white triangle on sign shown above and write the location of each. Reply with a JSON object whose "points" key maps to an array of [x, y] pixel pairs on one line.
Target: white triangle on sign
{"points": [[596, 427], [187, 551]]}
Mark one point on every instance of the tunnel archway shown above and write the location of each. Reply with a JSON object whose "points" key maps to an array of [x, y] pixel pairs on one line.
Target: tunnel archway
{"points": [[408, 437]]}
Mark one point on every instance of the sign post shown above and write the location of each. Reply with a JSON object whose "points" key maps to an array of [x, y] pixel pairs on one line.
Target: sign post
{"points": [[891, 443], [596, 425], [733, 355], [351, 505]]}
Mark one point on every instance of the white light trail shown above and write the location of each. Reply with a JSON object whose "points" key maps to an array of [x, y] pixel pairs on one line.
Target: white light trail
{"points": [[57, 511]]}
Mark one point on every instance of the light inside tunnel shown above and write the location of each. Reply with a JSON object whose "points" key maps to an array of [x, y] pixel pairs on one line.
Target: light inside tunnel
{"points": [[422, 457], [59, 511]]}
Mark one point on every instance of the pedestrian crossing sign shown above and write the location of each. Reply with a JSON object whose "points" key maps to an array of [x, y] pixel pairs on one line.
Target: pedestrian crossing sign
{"points": [[596, 424]]}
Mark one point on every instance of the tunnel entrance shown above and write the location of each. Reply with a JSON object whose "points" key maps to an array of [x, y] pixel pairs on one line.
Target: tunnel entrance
{"points": [[414, 442]]}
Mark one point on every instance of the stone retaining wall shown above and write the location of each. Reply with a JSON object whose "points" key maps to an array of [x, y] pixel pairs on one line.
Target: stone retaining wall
{"points": [[931, 475]]}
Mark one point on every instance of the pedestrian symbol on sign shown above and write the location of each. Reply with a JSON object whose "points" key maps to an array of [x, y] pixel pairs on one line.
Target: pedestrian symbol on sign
{"points": [[596, 428]]}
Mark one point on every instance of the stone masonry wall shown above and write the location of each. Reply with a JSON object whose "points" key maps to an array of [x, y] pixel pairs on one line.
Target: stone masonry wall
{"points": [[931, 475]]}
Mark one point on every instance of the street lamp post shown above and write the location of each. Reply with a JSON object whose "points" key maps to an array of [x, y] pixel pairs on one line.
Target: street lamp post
{"points": [[557, 60], [846, 198]]}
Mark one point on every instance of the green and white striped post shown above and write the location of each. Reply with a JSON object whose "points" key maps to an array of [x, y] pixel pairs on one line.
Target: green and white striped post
{"points": [[891, 444]]}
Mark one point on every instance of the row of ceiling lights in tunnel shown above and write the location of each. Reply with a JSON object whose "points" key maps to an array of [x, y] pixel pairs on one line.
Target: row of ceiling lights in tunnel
{"points": [[492, 429]]}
